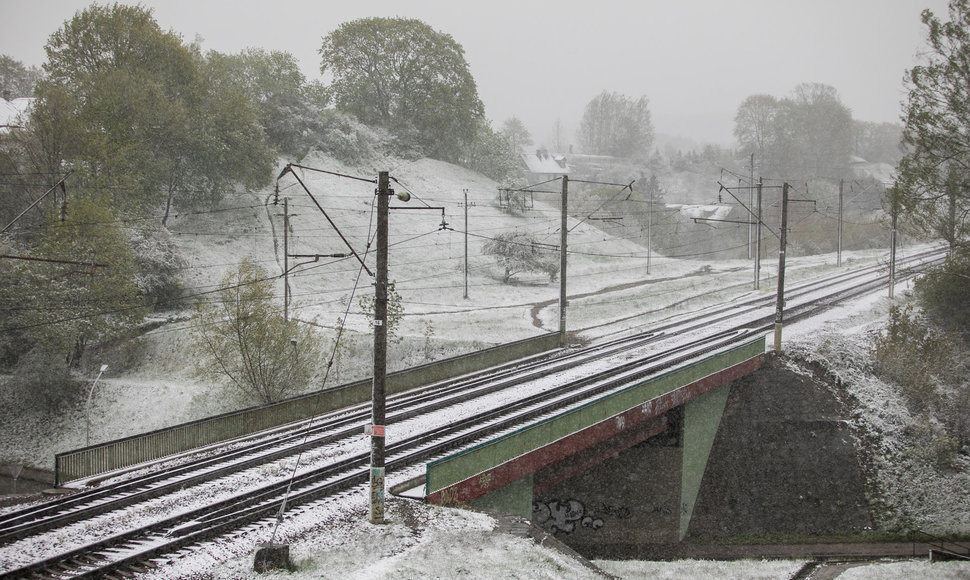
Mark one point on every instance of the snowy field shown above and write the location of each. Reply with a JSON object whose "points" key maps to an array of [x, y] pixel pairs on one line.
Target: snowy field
{"points": [[612, 291], [335, 541], [423, 541]]}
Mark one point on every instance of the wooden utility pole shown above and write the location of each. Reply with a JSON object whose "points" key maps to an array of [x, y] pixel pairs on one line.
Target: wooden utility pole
{"points": [[750, 202], [649, 228], [286, 258], [838, 261], [780, 301], [892, 253], [380, 355], [757, 241], [563, 229], [466, 243]]}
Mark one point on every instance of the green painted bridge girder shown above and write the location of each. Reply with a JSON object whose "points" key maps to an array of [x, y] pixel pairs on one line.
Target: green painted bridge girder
{"points": [[467, 475]]}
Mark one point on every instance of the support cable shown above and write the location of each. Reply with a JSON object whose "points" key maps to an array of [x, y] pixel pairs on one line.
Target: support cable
{"points": [[289, 169], [326, 375]]}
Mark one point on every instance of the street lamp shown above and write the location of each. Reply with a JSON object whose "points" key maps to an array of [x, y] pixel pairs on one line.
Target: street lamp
{"points": [[87, 408]]}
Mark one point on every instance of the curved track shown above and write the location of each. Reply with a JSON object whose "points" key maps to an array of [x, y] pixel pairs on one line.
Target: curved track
{"points": [[633, 358]]}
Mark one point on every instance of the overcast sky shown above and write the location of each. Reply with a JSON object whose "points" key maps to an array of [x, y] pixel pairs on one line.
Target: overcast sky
{"points": [[542, 61]]}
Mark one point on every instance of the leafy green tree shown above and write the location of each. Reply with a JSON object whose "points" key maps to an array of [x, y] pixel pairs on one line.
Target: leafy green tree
{"points": [[944, 293], [402, 75], [878, 142], [933, 177], [804, 136], [244, 340], [151, 126], [81, 287], [517, 134], [754, 125], [225, 147], [492, 155], [31, 162], [614, 124], [127, 82], [517, 252], [288, 108], [824, 138], [159, 266]]}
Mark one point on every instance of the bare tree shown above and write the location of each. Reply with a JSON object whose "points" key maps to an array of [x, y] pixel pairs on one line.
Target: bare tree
{"points": [[614, 124]]}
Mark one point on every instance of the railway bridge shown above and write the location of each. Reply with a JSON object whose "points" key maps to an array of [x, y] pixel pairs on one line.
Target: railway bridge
{"points": [[731, 444], [547, 471]]}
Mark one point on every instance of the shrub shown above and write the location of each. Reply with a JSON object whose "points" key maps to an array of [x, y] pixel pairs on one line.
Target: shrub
{"points": [[929, 367], [913, 356], [159, 265], [244, 340], [944, 293], [45, 380]]}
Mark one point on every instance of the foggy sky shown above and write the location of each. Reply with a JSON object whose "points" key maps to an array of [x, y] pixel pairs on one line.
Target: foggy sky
{"points": [[542, 61]]}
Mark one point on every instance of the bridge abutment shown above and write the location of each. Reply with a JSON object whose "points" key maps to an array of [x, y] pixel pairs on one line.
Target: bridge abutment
{"points": [[769, 455]]}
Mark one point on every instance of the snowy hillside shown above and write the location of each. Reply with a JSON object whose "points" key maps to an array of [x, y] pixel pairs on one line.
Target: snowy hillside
{"points": [[613, 289], [611, 293]]}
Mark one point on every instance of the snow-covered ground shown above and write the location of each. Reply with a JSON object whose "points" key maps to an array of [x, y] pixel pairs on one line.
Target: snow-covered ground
{"points": [[425, 541], [421, 541], [612, 293]]}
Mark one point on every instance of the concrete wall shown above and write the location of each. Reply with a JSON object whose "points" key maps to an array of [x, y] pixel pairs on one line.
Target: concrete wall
{"points": [[784, 462], [633, 497], [702, 418]]}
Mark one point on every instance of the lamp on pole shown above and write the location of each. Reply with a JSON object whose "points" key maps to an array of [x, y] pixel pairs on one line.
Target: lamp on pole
{"points": [[87, 407]]}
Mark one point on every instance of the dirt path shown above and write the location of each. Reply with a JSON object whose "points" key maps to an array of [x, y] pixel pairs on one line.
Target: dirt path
{"points": [[538, 307]]}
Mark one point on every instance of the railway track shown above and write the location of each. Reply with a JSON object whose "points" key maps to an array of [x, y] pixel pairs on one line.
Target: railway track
{"points": [[340, 436]]}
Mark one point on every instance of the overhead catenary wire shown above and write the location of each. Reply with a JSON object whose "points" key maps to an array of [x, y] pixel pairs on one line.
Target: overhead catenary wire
{"points": [[689, 239], [333, 352]]}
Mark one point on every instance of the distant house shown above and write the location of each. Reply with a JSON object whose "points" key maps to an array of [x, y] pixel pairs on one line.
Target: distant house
{"points": [[13, 113], [540, 165]]}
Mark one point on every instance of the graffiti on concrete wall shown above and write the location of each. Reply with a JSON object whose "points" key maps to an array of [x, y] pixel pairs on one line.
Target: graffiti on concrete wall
{"points": [[567, 516], [564, 516]]}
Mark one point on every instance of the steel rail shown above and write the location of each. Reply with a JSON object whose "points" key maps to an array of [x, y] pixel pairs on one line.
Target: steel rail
{"points": [[89, 504], [173, 533], [648, 337]]}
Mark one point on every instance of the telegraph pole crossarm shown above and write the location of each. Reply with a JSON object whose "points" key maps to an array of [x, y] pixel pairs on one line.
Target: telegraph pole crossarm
{"points": [[724, 221], [757, 187], [563, 234]]}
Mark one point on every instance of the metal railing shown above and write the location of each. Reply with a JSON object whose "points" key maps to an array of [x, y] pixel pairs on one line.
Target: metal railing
{"points": [[130, 451], [943, 549]]}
